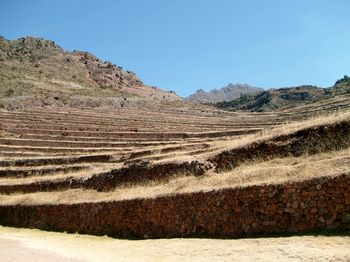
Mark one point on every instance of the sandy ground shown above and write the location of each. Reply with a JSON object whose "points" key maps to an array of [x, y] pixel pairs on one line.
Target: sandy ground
{"points": [[35, 245]]}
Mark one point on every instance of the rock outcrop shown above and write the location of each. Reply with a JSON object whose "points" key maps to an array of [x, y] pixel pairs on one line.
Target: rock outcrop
{"points": [[106, 74], [38, 72]]}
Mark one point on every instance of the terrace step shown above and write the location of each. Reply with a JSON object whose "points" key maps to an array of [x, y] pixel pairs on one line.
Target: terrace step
{"points": [[69, 150], [57, 160], [142, 135], [26, 172], [308, 141], [55, 143], [106, 181]]}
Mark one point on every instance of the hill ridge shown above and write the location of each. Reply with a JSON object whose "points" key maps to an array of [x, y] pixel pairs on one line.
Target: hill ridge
{"points": [[38, 71], [229, 92], [282, 98]]}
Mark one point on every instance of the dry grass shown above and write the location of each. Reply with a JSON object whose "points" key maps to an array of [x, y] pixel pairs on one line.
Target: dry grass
{"points": [[40, 167], [276, 171], [91, 170], [284, 129]]}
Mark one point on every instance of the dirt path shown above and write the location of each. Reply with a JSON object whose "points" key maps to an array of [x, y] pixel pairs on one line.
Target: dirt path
{"points": [[34, 245], [13, 249]]}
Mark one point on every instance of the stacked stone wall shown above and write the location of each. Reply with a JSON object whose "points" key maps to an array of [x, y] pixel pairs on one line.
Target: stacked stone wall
{"points": [[318, 204]]}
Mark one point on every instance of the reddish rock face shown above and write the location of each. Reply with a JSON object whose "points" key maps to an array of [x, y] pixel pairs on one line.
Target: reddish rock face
{"points": [[226, 213], [105, 73]]}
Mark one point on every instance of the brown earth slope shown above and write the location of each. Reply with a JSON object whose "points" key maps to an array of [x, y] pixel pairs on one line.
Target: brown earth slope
{"points": [[37, 72]]}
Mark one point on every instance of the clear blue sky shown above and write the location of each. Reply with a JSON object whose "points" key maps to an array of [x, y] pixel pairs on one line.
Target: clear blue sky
{"points": [[184, 45]]}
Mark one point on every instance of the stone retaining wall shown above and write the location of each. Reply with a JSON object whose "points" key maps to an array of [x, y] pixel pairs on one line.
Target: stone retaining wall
{"points": [[322, 203], [107, 181], [309, 141]]}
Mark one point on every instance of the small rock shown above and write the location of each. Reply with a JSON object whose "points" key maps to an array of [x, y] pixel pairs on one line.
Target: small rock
{"points": [[346, 219], [289, 210], [347, 200], [295, 205], [322, 220], [313, 210]]}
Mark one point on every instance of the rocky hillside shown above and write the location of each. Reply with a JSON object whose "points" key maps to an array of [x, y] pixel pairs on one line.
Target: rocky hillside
{"points": [[276, 99], [228, 92], [35, 71]]}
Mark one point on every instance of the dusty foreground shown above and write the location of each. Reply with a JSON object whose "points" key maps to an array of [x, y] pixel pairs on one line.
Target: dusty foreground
{"points": [[35, 245]]}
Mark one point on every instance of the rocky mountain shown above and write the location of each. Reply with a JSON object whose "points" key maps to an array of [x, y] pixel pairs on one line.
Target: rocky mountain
{"points": [[36, 71], [276, 99], [228, 92]]}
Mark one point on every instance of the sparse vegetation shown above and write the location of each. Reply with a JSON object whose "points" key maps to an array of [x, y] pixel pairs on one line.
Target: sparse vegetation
{"points": [[9, 92], [87, 140], [159, 152], [345, 79], [41, 67], [277, 99]]}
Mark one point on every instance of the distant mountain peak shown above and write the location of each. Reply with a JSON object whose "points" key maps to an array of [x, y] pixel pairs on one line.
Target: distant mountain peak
{"points": [[229, 92]]}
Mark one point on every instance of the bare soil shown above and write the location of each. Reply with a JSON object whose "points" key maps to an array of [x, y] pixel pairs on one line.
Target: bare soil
{"points": [[36, 245]]}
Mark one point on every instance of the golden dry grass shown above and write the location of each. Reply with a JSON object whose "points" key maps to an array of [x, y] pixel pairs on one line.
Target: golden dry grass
{"points": [[284, 129], [277, 171], [255, 173], [83, 174]]}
